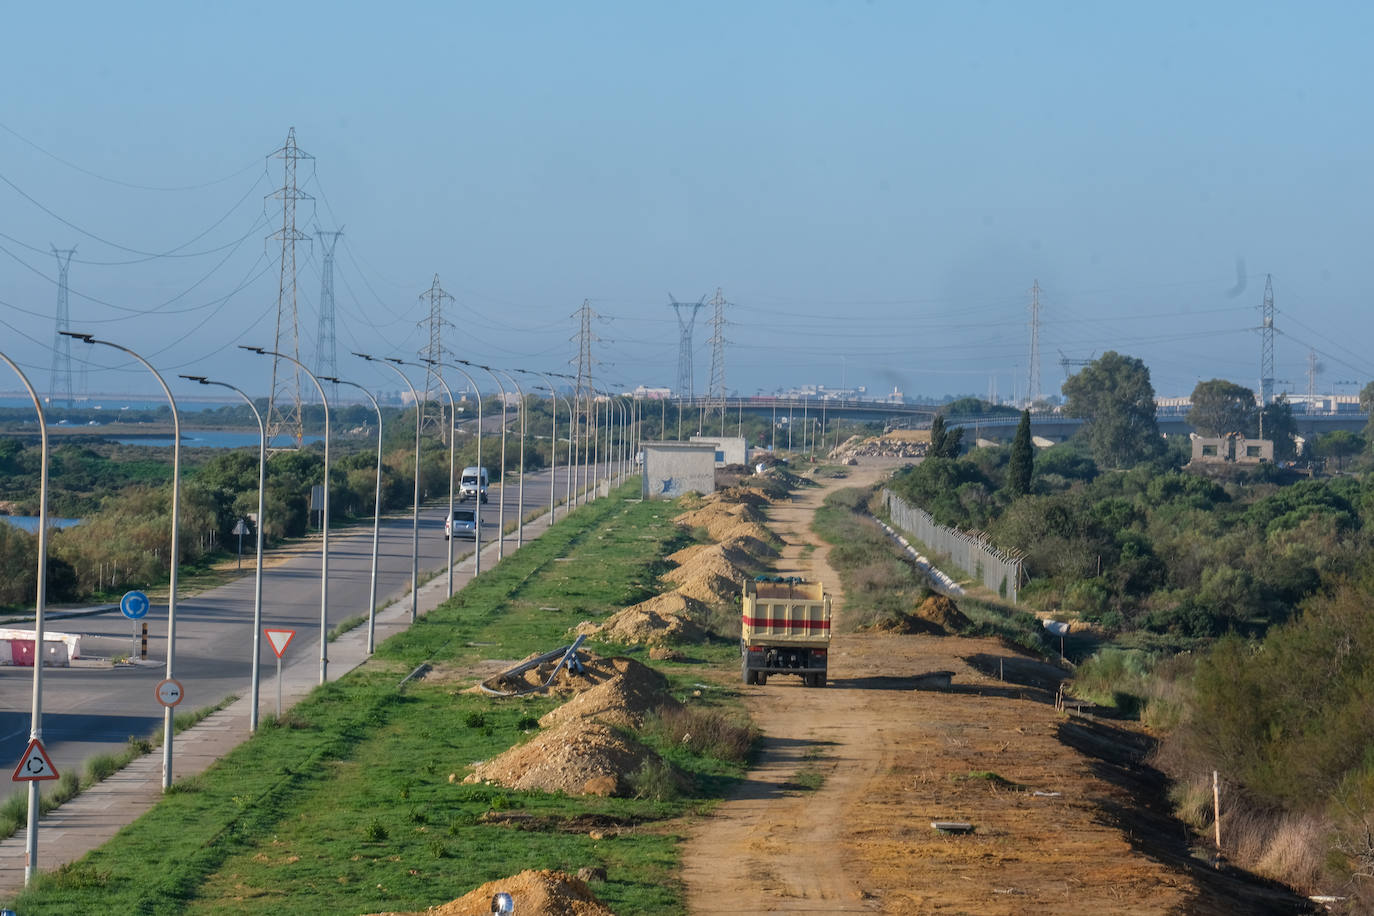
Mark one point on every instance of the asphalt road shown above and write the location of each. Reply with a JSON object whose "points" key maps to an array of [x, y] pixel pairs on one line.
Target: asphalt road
{"points": [[93, 710]]}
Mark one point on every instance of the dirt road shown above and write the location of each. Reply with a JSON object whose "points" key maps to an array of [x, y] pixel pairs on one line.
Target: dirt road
{"points": [[836, 817]]}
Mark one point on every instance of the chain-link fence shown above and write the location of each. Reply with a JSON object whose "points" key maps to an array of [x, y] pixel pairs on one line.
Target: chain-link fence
{"points": [[970, 551]]}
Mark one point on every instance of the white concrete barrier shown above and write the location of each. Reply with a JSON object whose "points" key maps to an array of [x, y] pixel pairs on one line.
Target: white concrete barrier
{"points": [[58, 648]]}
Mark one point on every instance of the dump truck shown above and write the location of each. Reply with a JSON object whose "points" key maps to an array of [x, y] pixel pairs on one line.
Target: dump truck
{"points": [[786, 630]]}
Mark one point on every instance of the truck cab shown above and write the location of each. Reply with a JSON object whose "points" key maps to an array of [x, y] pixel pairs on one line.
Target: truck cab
{"points": [[472, 484]]}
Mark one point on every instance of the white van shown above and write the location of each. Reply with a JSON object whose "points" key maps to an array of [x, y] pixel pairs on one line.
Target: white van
{"points": [[473, 484]]}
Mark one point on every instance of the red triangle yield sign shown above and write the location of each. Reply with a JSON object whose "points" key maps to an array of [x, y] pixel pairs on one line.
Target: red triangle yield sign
{"points": [[35, 765], [279, 639]]}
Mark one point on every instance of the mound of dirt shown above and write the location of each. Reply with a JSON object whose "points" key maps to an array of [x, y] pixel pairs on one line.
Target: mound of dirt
{"points": [[623, 700], [710, 577], [718, 519], [670, 617], [936, 616], [685, 555], [535, 893], [577, 757], [596, 670], [754, 496], [943, 612], [750, 537]]}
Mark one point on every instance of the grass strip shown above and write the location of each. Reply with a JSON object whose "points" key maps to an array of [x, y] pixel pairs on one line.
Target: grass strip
{"points": [[353, 802]]}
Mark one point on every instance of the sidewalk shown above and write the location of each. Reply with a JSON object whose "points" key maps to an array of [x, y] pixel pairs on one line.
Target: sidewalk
{"points": [[97, 814]]}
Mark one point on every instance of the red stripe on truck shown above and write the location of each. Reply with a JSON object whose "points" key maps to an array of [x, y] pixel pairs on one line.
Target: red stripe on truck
{"points": [[784, 623]]}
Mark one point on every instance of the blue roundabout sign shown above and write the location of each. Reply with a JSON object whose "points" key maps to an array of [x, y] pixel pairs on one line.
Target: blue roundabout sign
{"points": [[134, 605]]}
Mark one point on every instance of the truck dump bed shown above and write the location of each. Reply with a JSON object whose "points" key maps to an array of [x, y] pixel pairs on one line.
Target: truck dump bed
{"points": [[783, 613]]}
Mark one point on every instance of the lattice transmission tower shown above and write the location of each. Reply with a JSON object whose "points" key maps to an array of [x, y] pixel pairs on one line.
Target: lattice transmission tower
{"points": [[284, 407], [1033, 381], [1267, 342], [326, 348], [716, 393], [61, 383], [686, 322], [432, 403]]}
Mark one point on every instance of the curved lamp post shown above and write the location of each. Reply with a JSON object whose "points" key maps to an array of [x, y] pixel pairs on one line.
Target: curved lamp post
{"points": [[520, 499], [324, 549], [452, 444], [553, 447], [501, 507], [257, 583], [376, 514], [173, 557], [477, 512], [415, 511], [40, 607]]}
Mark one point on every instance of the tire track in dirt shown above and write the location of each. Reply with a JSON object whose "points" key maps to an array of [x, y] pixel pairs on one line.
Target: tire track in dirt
{"points": [[836, 815], [775, 845]]}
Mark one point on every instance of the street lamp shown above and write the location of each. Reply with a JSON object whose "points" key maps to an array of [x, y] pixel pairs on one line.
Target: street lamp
{"points": [[376, 514], [415, 511], [452, 444], [40, 607], [477, 511], [520, 499], [501, 507], [257, 584], [324, 550], [553, 437], [175, 553]]}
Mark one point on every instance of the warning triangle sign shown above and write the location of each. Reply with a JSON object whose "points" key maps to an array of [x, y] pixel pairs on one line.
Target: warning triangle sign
{"points": [[35, 764], [279, 639]]}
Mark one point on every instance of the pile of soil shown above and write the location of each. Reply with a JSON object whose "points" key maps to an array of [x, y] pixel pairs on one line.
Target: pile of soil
{"points": [[754, 496], [535, 893], [577, 758], [938, 615], [710, 577], [719, 519], [670, 617], [624, 700], [595, 670], [942, 611]]}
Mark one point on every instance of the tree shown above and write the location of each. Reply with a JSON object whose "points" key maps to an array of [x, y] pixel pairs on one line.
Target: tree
{"points": [[1278, 424], [1022, 463], [1114, 396], [944, 442], [1221, 408], [1339, 444]]}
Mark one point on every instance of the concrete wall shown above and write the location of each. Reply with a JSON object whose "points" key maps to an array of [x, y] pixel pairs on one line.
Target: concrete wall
{"points": [[672, 469], [729, 449], [1232, 448]]}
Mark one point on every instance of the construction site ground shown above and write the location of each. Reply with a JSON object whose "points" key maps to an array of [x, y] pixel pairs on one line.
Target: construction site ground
{"points": [[1064, 815]]}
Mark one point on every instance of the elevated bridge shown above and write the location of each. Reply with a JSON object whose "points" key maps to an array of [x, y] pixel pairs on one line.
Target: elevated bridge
{"points": [[996, 428]]}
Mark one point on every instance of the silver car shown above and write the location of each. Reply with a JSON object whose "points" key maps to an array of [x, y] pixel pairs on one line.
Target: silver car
{"points": [[463, 524]]}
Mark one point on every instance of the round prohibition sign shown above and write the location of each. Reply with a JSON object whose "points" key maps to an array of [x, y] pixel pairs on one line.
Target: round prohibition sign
{"points": [[169, 692]]}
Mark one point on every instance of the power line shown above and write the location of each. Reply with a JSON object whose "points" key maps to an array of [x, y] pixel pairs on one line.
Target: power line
{"points": [[125, 184]]}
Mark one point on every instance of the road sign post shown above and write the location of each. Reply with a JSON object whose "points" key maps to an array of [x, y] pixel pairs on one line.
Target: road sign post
{"points": [[134, 605], [279, 640], [240, 529]]}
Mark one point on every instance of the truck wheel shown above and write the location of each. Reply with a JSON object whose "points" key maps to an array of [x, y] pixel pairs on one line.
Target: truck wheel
{"points": [[745, 672], [818, 680], [760, 678]]}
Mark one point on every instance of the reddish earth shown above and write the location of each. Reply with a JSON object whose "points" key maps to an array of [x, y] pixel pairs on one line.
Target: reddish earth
{"points": [[836, 816]]}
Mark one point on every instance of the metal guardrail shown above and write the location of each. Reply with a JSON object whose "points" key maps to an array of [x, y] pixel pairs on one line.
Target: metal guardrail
{"points": [[970, 551]]}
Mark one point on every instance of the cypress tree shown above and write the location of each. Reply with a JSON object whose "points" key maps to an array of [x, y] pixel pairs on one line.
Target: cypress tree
{"points": [[1022, 462]]}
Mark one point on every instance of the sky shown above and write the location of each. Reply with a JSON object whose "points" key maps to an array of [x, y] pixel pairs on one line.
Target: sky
{"points": [[874, 188]]}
